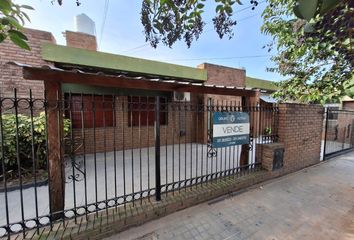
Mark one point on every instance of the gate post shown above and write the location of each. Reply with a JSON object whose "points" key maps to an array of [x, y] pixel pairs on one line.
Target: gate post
{"points": [[325, 136], [244, 156], [55, 157], [157, 150]]}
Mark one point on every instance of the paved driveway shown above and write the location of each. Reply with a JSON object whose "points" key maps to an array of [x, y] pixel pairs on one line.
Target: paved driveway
{"points": [[315, 203], [134, 171]]}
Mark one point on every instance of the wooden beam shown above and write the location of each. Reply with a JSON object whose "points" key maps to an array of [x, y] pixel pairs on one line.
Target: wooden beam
{"points": [[31, 73], [55, 155]]}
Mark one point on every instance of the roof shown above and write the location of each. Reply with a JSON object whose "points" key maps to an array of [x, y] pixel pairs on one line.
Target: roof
{"points": [[80, 57], [261, 84], [125, 80], [347, 99], [268, 99]]}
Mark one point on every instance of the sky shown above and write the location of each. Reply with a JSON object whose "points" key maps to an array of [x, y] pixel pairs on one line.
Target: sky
{"points": [[120, 31]]}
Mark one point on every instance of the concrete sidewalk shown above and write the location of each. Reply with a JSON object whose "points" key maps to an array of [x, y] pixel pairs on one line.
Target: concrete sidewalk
{"points": [[315, 203]]}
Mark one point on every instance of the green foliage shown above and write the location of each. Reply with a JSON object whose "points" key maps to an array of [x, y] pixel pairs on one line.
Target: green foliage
{"points": [[308, 9], [168, 21], [12, 18], [268, 131], [26, 148], [317, 63]]}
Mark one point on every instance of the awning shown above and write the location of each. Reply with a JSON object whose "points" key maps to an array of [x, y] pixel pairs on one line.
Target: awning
{"points": [[268, 99], [120, 80]]}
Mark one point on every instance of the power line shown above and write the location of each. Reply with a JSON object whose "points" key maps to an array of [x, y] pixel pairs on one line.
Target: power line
{"points": [[217, 58], [136, 48], [105, 10], [243, 9], [248, 17]]}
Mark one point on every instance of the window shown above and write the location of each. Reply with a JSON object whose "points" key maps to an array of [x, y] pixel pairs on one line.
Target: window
{"points": [[143, 109], [92, 110], [333, 113]]}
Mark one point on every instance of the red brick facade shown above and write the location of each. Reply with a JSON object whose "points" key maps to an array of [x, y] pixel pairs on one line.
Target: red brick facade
{"points": [[135, 137], [342, 128], [300, 130], [299, 125], [81, 40], [11, 76], [224, 76], [348, 105], [220, 76]]}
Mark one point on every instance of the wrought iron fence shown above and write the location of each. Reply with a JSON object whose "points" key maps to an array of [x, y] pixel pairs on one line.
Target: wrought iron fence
{"points": [[339, 131], [112, 150]]}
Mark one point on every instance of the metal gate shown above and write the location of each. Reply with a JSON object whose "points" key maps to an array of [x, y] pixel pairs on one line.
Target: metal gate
{"points": [[339, 132]]}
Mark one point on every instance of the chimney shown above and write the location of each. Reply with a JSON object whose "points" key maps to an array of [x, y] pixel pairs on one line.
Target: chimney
{"points": [[84, 36]]}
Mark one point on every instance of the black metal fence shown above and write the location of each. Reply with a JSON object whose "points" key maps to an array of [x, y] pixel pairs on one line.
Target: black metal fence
{"points": [[113, 150], [339, 131]]}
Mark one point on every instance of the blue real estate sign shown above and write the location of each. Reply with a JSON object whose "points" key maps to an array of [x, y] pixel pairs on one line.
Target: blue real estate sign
{"points": [[230, 128]]}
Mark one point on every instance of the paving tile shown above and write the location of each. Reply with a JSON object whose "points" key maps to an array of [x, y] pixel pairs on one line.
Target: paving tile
{"points": [[310, 204]]}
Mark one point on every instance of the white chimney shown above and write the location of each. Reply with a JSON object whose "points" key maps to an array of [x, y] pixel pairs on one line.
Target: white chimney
{"points": [[84, 24]]}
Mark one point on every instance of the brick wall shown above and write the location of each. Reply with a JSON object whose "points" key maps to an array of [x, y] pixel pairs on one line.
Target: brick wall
{"points": [[221, 76], [348, 105], [225, 76], [81, 40], [11, 76], [344, 128], [340, 125], [265, 153], [169, 132], [300, 130]]}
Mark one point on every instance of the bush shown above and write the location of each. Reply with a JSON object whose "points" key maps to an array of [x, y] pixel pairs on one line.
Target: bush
{"points": [[8, 140], [268, 131]]}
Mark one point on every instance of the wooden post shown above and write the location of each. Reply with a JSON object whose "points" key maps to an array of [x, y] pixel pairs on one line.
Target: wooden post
{"points": [[244, 155], [55, 156]]}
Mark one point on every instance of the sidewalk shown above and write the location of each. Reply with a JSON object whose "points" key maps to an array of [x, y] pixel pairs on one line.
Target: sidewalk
{"points": [[315, 203]]}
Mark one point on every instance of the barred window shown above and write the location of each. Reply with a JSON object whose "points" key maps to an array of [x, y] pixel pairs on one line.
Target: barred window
{"points": [[90, 111], [142, 109]]}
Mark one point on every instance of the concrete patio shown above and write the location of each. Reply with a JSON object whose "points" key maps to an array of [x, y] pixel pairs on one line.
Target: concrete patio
{"points": [[314, 203], [134, 171]]}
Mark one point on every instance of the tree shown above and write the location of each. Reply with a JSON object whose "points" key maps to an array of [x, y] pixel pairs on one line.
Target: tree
{"points": [[12, 18], [315, 53], [165, 21], [313, 38], [168, 21]]}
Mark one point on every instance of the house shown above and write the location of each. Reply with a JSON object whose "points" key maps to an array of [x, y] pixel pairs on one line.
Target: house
{"points": [[347, 103], [95, 108], [267, 87]]}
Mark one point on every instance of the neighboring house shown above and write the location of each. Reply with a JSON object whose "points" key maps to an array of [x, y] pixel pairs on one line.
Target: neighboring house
{"points": [[267, 87], [80, 54], [347, 103], [340, 123]]}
